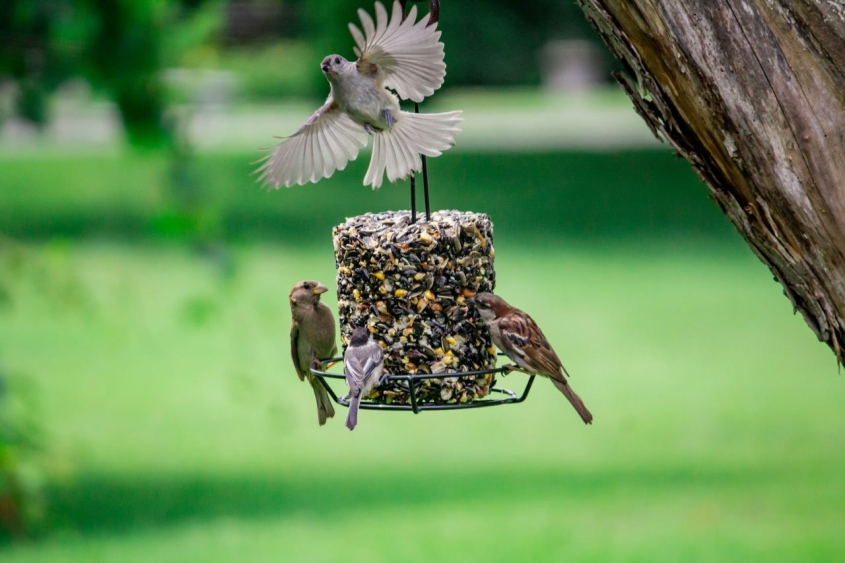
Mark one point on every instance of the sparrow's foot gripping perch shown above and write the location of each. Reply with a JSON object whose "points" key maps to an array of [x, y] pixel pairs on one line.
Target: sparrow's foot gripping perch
{"points": [[507, 369]]}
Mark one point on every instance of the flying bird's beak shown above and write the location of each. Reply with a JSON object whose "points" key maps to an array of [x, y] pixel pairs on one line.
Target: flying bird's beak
{"points": [[325, 67], [320, 289]]}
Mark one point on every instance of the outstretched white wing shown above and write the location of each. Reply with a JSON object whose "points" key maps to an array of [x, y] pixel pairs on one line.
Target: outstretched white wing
{"points": [[404, 56], [397, 150], [327, 141]]}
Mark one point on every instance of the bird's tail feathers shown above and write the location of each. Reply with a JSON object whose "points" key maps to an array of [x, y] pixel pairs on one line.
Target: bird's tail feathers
{"points": [[576, 401], [325, 410], [397, 150], [352, 415]]}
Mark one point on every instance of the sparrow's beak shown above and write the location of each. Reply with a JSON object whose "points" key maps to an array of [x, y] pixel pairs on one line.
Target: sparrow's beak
{"points": [[325, 67], [320, 289]]}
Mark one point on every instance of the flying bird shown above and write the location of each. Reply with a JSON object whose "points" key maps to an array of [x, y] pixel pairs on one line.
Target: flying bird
{"points": [[312, 337], [396, 54], [363, 363], [518, 336]]}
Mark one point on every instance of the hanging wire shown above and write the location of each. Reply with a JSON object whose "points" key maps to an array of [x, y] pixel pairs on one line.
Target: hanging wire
{"points": [[434, 17]]}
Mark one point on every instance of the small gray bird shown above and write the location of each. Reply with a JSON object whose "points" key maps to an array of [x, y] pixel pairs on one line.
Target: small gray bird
{"points": [[312, 337], [399, 54], [517, 335], [363, 364]]}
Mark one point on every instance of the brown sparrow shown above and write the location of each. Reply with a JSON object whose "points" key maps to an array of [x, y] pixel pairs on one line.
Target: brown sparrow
{"points": [[312, 337], [517, 335]]}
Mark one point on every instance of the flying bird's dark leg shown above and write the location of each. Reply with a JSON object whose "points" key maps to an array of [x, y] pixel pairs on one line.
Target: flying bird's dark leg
{"points": [[388, 117]]}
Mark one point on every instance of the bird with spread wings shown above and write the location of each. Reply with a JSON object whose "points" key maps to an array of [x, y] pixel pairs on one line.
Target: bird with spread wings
{"points": [[394, 53]]}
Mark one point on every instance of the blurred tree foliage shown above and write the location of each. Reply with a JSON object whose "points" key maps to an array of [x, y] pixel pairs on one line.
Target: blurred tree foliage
{"points": [[21, 494], [119, 46], [489, 42], [122, 46]]}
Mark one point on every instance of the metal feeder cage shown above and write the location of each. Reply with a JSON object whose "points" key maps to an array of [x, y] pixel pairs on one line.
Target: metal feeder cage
{"points": [[413, 381]]}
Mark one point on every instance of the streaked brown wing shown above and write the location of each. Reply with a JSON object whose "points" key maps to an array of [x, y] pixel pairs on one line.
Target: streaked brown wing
{"points": [[526, 339]]}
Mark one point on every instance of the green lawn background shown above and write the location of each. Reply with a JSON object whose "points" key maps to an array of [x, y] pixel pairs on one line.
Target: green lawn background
{"points": [[179, 432]]}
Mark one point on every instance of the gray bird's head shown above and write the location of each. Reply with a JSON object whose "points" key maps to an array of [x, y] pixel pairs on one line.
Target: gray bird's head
{"points": [[359, 337], [490, 306], [334, 65], [306, 293]]}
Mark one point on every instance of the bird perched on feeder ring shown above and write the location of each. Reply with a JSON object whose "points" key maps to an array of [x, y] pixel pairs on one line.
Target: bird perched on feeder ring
{"points": [[394, 53], [363, 363], [517, 335], [312, 338]]}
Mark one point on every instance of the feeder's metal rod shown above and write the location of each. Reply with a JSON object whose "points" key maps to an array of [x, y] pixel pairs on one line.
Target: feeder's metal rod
{"points": [[414, 196], [425, 176], [433, 9], [433, 18], [413, 396], [326, 386], [527, 389], [425, 185]]}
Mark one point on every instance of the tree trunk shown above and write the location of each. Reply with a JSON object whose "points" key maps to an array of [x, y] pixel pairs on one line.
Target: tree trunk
{"points": [[752, 93]]}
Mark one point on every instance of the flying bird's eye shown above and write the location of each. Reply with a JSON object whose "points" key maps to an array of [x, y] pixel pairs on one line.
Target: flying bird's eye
{"points": [[337, 60]]}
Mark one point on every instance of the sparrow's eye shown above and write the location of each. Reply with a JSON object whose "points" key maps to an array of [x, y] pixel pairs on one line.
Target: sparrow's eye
{"points": [[306, 285], [337, 60]]}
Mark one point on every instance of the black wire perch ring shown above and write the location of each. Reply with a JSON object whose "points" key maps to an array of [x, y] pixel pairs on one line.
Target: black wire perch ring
{"points": [[434, 17], [413, 381]]}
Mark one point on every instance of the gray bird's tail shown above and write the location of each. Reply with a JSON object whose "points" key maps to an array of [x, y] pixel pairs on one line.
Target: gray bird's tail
{"points": [[352, 415], [576, 401], [325, 410], [397, 150]]}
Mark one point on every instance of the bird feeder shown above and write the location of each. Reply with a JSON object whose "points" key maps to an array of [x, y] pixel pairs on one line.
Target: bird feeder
{"points": [[409, 280]]}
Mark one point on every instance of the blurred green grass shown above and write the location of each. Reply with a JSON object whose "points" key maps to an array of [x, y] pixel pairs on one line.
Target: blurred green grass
{"points": [[584, 197], [167, 387]]}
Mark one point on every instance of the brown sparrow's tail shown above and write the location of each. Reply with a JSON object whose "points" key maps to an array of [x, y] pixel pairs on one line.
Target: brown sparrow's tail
{"points": [[325, 410], [576, 401]]}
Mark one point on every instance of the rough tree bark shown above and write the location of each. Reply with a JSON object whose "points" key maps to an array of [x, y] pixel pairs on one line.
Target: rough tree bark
{"points": [[752, 93]]}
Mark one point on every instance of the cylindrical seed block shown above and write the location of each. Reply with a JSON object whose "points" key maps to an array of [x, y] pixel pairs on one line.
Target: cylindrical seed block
{"points": [[409, 284]]}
